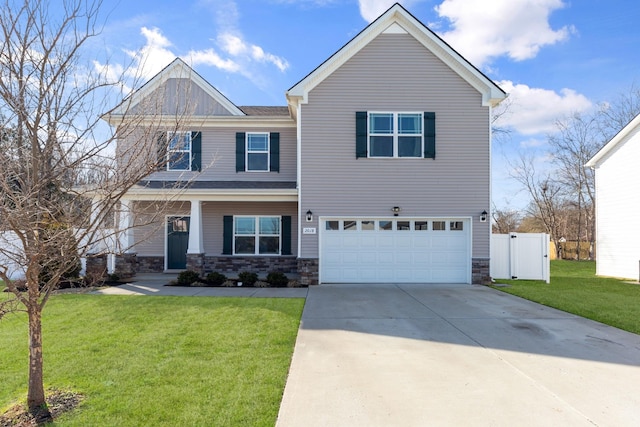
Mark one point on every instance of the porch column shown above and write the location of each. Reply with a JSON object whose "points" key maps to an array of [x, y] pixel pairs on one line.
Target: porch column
{"points": [[196, 245], [125, 230]]}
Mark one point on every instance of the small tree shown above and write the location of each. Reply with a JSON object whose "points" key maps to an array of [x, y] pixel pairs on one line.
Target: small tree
{"points": [[59, 179]]}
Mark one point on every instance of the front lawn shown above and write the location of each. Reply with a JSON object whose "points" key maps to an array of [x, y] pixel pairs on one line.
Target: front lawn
{"points": [[190, 361], [574, 288]]}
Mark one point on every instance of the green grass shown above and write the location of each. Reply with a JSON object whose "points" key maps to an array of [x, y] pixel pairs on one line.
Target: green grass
{"points": [[574, 288], [159, 360]]}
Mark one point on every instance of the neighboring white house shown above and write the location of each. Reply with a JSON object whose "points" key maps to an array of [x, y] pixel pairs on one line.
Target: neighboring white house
{"points": [[618, 203]]}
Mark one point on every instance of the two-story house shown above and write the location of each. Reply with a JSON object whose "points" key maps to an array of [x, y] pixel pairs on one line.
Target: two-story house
{"points": [[377, 170]]}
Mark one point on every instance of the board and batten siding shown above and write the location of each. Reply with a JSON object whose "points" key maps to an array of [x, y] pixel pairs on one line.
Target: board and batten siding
{"points": [[617, 206], [395, 73], [150, 237]]}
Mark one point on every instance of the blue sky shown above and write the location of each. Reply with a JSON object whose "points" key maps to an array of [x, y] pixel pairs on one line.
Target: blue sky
{"points": [[554, 57]]}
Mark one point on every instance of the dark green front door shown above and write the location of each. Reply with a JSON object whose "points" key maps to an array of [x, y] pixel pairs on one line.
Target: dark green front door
{"points": [[177, 242]]}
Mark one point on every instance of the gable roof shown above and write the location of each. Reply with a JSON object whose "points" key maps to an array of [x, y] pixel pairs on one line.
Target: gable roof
{"points": [[175, 70], [398, 20], [620, 138]]}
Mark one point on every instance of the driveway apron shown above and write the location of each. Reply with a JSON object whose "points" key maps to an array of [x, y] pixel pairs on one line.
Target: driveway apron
{"points": [[455, 355]]}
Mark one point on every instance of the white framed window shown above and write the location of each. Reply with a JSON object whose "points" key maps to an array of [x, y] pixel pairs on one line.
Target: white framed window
{"points": [[395, 134], [257, 152], [179, 151], [256, 235]]}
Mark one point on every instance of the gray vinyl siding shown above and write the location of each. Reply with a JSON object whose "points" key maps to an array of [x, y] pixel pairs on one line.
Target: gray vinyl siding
{"points": [[149, 232], [219, 156], [395, 73], [213, 212], [150, 237]]}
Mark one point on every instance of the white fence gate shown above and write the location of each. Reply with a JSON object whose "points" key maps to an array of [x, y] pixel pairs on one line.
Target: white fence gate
{"points": [[520, 256]]}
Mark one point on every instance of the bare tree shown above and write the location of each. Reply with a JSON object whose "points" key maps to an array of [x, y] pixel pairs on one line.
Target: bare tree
{"points": [[56, 160], [546, 197], [577, 140], [504, 221]]}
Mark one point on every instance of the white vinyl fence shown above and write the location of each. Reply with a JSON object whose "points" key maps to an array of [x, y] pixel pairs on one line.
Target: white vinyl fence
{"points": [[520, 256]]}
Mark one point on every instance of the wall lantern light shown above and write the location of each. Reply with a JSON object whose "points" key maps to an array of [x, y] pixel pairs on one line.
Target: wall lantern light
{"points": [[309, 216], [483, 216], [395, 210]]}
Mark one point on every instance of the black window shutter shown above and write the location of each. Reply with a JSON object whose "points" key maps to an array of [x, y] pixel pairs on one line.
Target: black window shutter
{"points": [[286, 235], [161, 150], [274, 151], [361, 134], [240, 151], [430, 135], [227, 235], [196, 151]]}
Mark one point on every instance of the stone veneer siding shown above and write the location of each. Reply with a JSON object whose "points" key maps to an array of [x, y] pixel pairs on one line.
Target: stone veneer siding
{"points": [[150, 264], [230, 265], [480, 271], [126, 265], [96, 267], [308, 271]]}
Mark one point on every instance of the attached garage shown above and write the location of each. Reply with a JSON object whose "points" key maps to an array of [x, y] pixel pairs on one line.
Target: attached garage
{"points": [[395, 250]]}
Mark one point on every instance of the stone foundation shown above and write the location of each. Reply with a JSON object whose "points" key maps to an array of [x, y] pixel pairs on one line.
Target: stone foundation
{"points": [[308, 271], [480, 271], [126, 265], [195, 262], [232, 265], [150, 264], [96, 267]]}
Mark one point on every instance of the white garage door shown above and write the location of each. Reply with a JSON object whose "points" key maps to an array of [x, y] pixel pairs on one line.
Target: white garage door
{"points": [[392, 250]]}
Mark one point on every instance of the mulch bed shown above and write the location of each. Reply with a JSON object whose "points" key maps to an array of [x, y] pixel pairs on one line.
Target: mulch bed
{"points": [[59, 402]]}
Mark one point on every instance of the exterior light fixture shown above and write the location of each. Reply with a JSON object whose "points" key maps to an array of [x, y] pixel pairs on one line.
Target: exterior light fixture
{"points": [[395, 210], [483, 216], [309, 216]]}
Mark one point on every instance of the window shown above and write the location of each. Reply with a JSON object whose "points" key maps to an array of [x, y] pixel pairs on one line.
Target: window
{"points": [[179, 151], [385, 225], [256, 235], [257, 152], [349, 225], [455, 225], [404, 225], [422, 225], [395, 135], [439, 225], [368, 225], [332, 225]]}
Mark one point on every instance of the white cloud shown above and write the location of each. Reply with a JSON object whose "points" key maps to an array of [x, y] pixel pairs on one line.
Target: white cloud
{"points": [[234, 45], [210, 57], [371, 9], [153, 56], [517, 29], [535, 111]]}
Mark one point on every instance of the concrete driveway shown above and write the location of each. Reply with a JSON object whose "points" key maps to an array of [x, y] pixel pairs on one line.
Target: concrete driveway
{"points": [[455, 355]]}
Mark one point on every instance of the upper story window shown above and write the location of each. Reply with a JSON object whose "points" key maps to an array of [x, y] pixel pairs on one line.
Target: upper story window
{"points": [[395, 135], [257, 152], [179, 151], [382, 134]]}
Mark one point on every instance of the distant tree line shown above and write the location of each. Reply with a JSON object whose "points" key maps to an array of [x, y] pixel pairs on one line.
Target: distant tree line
{"points": [[562, 197]]}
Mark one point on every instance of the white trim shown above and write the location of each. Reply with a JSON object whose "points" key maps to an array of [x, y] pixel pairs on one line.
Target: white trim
{"points": [[619, 138], [213, 195], [170, 151], [166, 236], [176, 69], [299, 173], [246, 152], [395, 135], [491, 93], [256, 235]]}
